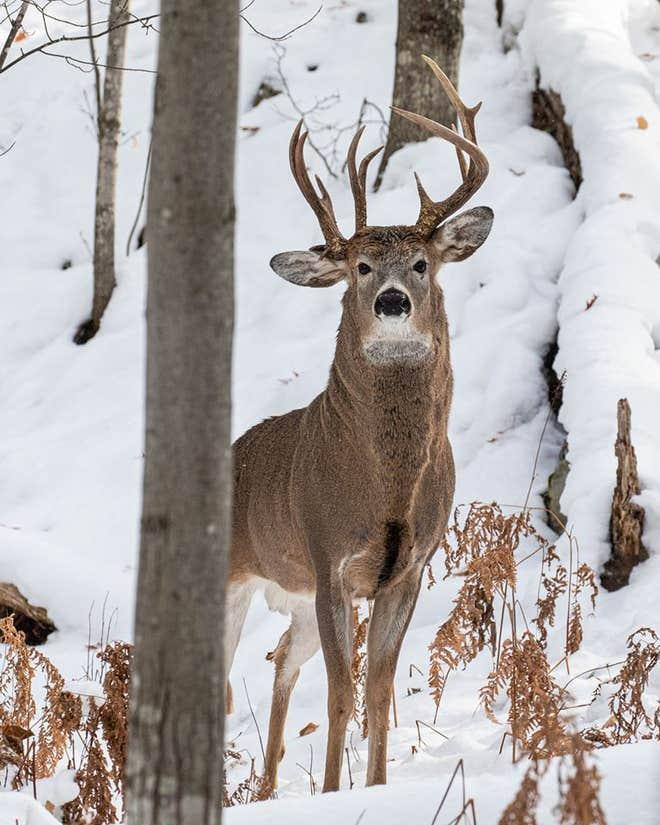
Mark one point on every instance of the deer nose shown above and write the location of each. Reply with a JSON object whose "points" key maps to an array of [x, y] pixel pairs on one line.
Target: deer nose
{"points": [[392, 302]]}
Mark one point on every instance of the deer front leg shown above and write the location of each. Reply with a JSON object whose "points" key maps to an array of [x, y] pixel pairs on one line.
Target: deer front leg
{"points": [[335, 620], [387, 626]]}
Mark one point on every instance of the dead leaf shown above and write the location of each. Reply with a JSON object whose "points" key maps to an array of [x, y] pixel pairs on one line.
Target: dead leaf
{"points": [[22, 35], [16, 732], [591, 302], [49, 806], [626, 196], [642, 123], [310, 727]]}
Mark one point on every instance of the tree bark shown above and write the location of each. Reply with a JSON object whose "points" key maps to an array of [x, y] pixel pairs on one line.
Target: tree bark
{"points": [[108, 128], [434, 28], [174, 774]]}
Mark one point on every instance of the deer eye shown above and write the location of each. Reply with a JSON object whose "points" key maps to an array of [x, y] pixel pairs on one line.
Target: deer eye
{"points": [[419, 266], [364, 269]]}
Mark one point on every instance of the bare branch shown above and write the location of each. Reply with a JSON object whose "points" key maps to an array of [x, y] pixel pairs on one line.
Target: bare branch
{"points": [[145, 22], [286, 35], [92, 52]]}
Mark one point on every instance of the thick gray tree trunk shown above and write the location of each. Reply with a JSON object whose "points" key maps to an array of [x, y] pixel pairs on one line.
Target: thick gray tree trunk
{"points": [[175, 760], [108, 128], [434, 28]]}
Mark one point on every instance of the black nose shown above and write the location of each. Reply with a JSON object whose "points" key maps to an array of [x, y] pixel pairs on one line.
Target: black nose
{"points": [[392, 302]]}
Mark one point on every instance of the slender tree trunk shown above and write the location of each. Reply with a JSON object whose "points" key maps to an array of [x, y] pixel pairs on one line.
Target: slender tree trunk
{"points": [[175, 759], [434, 28], [15, 27], [108, 128]]}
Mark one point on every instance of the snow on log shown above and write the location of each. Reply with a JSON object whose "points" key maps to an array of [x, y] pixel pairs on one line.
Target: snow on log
{"points": [[31, 620], [627, 520]]}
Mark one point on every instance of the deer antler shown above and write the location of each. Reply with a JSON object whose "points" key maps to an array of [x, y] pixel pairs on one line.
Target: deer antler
{"points": [[358, 179], [432, 213], [321, 204]]}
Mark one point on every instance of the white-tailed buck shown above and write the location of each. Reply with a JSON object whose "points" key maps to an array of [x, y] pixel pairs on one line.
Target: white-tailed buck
{"points": [[349, 497]]}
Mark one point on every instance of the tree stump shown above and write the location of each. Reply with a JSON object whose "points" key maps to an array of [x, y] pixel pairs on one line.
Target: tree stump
{"points": [[33, 621], [627, 519]]}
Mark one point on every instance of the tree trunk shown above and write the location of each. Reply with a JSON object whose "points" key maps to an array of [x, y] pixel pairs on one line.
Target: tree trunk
{"points": [[108, 127], [434, 28], [175, 761]]}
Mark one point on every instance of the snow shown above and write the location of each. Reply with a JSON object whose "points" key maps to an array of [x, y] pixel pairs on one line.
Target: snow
{"points": [[71, 419]]}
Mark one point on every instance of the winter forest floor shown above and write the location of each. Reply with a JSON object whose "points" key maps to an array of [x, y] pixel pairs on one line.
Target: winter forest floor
{"points": [[71, 418]]}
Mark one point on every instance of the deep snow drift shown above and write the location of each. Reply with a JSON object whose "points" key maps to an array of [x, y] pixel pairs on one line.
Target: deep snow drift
{"points": [[71, 418]]}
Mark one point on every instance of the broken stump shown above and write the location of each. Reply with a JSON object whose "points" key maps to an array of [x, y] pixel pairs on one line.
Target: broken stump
{"points": [[33, 621], [627, 519]]}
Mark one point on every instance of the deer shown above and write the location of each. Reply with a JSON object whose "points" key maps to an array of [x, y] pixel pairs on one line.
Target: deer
{"points": [[348, 498]]}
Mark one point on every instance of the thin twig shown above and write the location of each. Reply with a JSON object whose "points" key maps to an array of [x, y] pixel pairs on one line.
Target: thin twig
{"points": [[261, 742], [459, 766], [142, 197], [280, 37], [350, 775], [74, 61], [419, 722]]}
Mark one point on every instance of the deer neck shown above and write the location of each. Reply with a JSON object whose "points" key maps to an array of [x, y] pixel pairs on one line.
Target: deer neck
{"points": [[395, 416]]}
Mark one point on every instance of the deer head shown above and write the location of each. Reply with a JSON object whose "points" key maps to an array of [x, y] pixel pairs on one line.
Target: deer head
{"points": [[392, 296]]}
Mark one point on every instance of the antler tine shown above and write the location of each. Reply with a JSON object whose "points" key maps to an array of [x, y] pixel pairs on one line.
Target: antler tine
{"points": [[461, 158], [325, 197], [359, 197], [358, 178], [466, 114], [364, 165], [321, 205], [431, 213]]}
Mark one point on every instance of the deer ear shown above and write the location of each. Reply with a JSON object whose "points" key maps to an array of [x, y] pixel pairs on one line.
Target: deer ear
{"points": [[459, 237], [308, 268]]}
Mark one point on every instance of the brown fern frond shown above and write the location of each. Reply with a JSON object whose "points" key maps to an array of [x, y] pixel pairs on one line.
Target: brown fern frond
{"points": [[113, 714], [629, 718], [579, 788], [523, 807]]}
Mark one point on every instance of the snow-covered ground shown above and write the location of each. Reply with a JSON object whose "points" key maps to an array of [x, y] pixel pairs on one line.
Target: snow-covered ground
{"points": [[71, 418]]}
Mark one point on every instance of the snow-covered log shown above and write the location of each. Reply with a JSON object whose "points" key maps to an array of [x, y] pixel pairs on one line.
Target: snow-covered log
{"points": [[609, 288]]}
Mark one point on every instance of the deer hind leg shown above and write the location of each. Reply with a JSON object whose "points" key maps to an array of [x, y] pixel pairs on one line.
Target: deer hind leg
{"points": [[389, 621], [297, 645], [239, 596]]}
